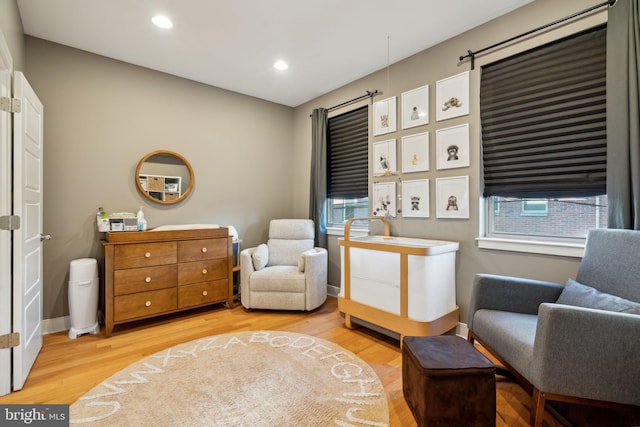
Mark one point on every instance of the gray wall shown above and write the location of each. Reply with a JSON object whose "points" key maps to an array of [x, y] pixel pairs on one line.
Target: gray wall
{"points": [[102, 116], [427, 67], [11, 27], [251, 157]]}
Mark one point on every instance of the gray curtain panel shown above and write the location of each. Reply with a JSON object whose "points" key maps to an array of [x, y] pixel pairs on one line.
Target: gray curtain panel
{"points": [[623, 115], [318, 189]]}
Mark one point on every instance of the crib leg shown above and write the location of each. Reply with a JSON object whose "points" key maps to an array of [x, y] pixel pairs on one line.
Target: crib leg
{"points": [[347, 320]]}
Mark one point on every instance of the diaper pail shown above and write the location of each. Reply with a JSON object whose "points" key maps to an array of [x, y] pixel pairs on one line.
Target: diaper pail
{"points": [[83, 297]]}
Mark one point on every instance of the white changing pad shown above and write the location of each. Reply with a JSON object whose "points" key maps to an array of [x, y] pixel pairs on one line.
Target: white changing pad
{"points": [[185, 227]]}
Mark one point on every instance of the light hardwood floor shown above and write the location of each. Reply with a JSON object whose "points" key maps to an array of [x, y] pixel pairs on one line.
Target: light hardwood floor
{"points": [[66, 368]]}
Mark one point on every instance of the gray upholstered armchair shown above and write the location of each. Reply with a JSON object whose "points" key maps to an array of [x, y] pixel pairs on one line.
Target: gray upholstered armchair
{"points": [[286, 273], [577, 342]]}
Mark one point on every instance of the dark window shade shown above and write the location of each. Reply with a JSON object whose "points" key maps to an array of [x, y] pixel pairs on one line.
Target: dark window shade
{"points": [[543, 120], [347, 162]]}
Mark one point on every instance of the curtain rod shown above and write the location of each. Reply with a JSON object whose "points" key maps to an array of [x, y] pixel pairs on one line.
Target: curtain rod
{"points": [[472, 55], [351, 101], [370, 94]]}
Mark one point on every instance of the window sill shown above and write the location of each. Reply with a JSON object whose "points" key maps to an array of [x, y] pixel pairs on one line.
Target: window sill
{"points": [[574, 250]]}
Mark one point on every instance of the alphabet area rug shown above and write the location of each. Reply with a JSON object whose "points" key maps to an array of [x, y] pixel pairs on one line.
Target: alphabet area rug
{"points": [[253, 378]]}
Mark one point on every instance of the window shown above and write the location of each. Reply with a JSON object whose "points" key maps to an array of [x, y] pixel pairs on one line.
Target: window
{"points": [[347, 166], [569, 218], [342, 210], [543, 120]]}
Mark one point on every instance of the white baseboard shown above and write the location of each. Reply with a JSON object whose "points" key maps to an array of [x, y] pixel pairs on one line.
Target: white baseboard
{"points": [[462, 330], [59, 324], [333, 291]]}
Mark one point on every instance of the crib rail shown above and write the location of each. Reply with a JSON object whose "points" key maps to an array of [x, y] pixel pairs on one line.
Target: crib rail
{"points": [[347, 227]]}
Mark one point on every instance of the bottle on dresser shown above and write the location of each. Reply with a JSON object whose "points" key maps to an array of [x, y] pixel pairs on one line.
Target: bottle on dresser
{"points": [[142, 223]]}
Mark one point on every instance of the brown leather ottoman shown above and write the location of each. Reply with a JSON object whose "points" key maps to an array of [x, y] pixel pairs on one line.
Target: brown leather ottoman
{"points": [[447, 382]]}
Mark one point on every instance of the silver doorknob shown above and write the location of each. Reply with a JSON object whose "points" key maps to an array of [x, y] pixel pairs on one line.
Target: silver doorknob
{"points": [[45, 237]]}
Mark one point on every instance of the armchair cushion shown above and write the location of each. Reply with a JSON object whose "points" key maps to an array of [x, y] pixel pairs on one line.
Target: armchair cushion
{"points": [[279, 278], [288, 238], [260, 256], [512, 335], [287, 252], [302, 261], [580, 295]]}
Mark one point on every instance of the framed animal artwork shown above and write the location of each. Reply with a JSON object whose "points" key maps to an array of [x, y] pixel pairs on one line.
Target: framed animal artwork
{"points": [[415, 198], [452, 147], [452, 97], [415, 152], [384, 157], [384, 199], [384, 116], [452, 197], [415, 107]]}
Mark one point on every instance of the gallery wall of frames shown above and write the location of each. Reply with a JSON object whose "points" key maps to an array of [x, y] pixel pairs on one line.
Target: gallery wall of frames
{"points": [[400, 163]]}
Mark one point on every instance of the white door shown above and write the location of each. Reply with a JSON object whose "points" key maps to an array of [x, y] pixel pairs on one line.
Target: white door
{"points": [[27, 242], [5, 211]]}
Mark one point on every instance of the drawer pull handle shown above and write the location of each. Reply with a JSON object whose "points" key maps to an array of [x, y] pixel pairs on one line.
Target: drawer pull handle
{"points": [[148, 303], [147, 279], [205, 293], [147, 255], [204, 250], [204, 271]]}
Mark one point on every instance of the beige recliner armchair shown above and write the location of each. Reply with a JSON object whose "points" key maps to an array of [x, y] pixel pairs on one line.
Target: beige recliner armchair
{"points": [[286, 273]]}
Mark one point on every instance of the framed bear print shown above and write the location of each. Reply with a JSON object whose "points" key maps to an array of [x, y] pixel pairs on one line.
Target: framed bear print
{"points": [[452, 147]]}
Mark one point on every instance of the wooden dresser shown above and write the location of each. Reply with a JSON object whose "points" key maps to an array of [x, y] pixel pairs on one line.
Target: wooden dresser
{"points": [[151, 273]]}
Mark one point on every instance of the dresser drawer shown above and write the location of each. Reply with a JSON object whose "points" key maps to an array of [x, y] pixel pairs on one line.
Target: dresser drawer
{"points": [[144, 279], [197, 250], [202, 271], [144, 254], [203, 293], [144, 304]]}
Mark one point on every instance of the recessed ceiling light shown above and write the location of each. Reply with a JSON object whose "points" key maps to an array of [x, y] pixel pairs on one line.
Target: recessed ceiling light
{"points": [[280, 65], [162, 21]]}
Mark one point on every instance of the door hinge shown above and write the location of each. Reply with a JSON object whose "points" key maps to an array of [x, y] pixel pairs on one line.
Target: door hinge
{"points": [[10, 105], [9, 222], [9, 340]]}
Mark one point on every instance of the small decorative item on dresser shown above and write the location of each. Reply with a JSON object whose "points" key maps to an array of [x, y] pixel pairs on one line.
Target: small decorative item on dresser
{"points": [[102, 221], [142, 222]]}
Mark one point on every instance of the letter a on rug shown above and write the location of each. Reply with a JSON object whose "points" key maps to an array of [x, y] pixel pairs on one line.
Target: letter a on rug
{"points": [[252, 378]]}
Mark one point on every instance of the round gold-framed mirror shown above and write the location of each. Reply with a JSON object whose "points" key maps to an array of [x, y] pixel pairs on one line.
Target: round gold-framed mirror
{"points": [[164, 176]]}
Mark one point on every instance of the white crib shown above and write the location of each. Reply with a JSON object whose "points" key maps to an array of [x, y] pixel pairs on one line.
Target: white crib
{"points": [[402, 284]]}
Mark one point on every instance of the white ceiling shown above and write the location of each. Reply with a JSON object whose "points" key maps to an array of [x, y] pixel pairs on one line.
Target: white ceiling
{"points": [[232, 44]]}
